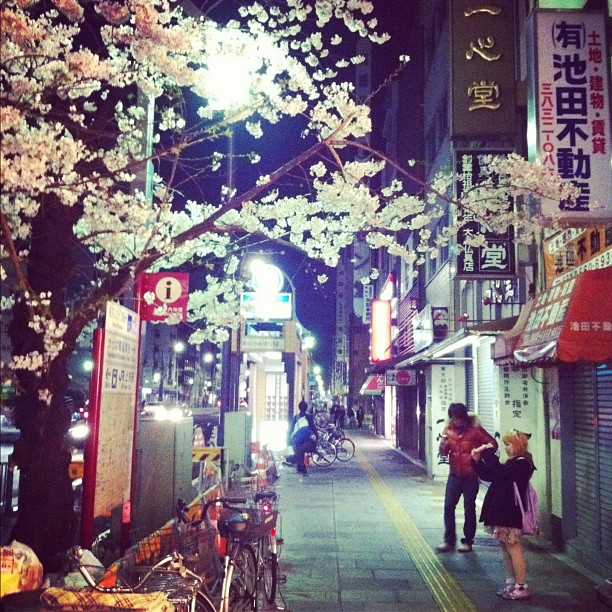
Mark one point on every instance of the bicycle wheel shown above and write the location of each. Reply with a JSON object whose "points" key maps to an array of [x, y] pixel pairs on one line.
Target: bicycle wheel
{"points": [[203, 604], [325, 454], [270, 577], [243, 580], [345, 449]]}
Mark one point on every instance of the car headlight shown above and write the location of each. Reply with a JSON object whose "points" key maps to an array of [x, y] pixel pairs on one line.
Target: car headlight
{"points": [[79, 432], [161, 413], [175, 414]]}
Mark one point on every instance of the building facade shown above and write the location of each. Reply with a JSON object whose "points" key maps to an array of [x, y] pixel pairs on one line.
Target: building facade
{"points": [[520, 333]]}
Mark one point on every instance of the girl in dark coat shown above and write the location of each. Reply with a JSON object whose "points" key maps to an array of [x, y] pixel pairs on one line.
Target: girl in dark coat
{"points": [[500, 513]]}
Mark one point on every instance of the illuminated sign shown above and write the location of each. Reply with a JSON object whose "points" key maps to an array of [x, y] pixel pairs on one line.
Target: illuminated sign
{"points": [[569, 109], [266, 306], [380, 338]]}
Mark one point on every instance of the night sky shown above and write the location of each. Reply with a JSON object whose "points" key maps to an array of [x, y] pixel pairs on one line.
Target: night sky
{"points": [[315, 303]]}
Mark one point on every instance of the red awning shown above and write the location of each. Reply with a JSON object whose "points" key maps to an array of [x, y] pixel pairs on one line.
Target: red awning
{"points": [[570, 322], [374, 385]]}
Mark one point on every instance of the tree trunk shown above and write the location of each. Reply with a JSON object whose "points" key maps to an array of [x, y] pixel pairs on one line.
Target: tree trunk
{"points": [[46, 520]]}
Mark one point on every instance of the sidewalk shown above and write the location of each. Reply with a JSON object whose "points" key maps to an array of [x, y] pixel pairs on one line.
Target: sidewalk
{"points": [[359, 536]]}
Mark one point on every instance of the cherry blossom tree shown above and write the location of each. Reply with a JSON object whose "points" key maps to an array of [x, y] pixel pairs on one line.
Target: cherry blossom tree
{"points": [[79, 223]]}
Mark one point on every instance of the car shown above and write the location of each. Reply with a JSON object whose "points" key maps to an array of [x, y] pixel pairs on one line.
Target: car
{"points": [[9, 434], [78, 432], [165, 411]]}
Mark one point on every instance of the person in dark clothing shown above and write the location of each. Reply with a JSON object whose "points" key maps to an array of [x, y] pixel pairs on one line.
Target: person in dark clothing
{"points": [[303, 436], [459, 438], [340, 416], [500, 513], [360, 415]]}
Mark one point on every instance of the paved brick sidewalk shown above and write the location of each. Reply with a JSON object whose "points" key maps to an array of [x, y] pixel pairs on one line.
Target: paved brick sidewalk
{"points": [[343, 551]]}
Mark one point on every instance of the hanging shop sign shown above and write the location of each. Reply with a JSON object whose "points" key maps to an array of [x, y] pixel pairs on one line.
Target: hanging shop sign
{"points": [[380, 334], [570, 322], [575, 250], [400, 378], [373, 385], [482, 69], [169, 292], [569, 108], [496, 258]]}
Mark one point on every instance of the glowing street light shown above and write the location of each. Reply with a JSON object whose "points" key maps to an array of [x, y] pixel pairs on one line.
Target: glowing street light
{"points": [[309, 342]]}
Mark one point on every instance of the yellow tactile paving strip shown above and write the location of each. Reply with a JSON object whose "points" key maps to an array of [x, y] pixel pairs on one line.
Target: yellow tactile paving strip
{"points": [[444, 588]]}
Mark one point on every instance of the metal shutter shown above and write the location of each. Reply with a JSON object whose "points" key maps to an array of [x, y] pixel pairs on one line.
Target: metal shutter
{"points": [[485, 385], [585, 436], [603, 379], [592, 407]]}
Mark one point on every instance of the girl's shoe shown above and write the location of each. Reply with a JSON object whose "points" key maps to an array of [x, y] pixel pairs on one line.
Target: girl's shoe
{"points": [[518, 592], [508, 588]]}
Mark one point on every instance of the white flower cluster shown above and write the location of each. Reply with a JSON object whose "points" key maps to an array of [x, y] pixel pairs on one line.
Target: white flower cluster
{"points": [[86, 128]]}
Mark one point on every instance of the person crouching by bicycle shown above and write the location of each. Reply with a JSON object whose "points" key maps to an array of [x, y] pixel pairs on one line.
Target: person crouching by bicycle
{"points": [[303, 436], [462, 434]]}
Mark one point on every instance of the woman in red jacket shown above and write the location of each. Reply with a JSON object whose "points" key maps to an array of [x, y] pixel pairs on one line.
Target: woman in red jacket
{"points": [[500, 512], [459, 438]]}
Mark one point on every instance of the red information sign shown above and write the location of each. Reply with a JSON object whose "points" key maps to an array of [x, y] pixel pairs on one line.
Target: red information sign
{"points": [[170, 295]]}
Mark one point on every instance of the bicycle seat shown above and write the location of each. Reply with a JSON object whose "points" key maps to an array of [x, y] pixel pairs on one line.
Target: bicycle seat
{"points": [[265, 496]]}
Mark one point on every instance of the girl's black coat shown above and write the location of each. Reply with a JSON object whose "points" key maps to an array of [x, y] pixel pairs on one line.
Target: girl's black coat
{"points": [[499, 507]]}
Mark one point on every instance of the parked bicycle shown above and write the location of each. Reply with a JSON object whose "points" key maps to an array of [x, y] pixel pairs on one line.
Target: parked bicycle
{"points": [[324, 454], [181, 586], [345, 447], [249, 551]]}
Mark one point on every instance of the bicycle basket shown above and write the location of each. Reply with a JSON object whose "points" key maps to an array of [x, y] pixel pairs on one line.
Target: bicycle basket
{"points": [[250, 524], [244, 487]]}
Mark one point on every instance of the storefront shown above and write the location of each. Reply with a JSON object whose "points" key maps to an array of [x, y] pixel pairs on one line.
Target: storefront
{"points": [[563, 340], [374, 389]]}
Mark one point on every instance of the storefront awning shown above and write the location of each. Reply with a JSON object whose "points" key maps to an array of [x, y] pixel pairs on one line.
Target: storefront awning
{"points": [[374, 385], [570, 322]]}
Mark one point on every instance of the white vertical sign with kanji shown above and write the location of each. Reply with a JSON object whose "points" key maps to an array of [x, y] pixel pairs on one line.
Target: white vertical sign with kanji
{"points": [[443, 393], [518, 399]]}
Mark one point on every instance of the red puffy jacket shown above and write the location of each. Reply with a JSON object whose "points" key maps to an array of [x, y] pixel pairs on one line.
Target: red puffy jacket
{"points": [[459, 443]]}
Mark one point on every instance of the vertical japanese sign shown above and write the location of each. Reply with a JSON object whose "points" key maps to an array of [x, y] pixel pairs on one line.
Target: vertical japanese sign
{"points": [[496, 259], [575, 250], [518, 403], [569, 103], [442, 395], [482, 69], [108, 462]]}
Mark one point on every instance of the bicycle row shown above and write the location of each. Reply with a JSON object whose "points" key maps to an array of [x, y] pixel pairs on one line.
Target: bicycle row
{"points": [[225, 560]]}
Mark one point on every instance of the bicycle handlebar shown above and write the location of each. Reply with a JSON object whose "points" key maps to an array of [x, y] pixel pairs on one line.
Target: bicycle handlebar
{"points": [[75, 553], [226, 502]]}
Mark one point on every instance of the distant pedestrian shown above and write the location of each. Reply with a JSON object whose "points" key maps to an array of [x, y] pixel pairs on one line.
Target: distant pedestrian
{"points": [[360, 415], [340, 416], [462, 434], [333, 410], [350, 413], [303, 436], [501, 514]]}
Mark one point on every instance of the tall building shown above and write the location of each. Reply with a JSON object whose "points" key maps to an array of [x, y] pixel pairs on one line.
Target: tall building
{"points": [[520, 333]]}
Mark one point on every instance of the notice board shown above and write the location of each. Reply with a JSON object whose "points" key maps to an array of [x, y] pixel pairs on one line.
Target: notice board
{"points": [[108, 456]]}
